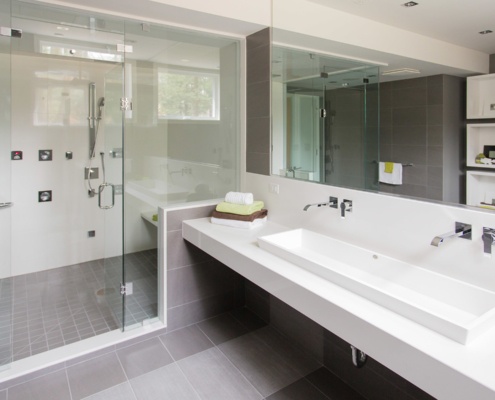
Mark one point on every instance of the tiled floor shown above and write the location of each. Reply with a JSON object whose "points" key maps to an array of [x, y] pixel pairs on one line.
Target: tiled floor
{"points": [[234, 357], [45, 310]]}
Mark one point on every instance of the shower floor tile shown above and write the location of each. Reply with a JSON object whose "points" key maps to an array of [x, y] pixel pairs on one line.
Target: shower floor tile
{"points": [[49, 309]]}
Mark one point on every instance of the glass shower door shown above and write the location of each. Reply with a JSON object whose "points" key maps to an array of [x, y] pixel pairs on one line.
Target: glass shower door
{"points": [[5, 194], [111, 199]]}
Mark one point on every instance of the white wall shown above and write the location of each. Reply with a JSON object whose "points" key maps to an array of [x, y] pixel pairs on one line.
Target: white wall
{"points": [[399, 227]]}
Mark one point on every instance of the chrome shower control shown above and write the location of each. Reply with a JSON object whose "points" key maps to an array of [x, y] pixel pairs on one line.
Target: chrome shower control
{"points": [[45, 155], [44, 196]]}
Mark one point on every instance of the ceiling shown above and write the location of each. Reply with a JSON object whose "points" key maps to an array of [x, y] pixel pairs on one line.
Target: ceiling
{"points": [[454, 21]]}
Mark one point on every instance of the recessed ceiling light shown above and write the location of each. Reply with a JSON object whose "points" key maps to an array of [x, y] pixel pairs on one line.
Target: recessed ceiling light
{"points": [[485, 32], [410, 4], [62, 28]]}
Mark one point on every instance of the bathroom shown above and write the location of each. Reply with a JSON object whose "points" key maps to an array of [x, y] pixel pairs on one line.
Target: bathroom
{"points": [[403, 220]]}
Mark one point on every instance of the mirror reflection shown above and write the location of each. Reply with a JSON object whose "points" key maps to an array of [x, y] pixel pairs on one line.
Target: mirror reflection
{"points": [[325, 119], [347, 123]]}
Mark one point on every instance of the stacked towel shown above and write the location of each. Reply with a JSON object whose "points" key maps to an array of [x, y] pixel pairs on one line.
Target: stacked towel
{"points": [[390, 173], [239, 198], [240, 209], [240, 212]]}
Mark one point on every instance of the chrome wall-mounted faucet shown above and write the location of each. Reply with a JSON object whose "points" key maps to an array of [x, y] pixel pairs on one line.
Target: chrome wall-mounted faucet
{"points": [[462, 231], [345, 206], [488, 240], [332, 203]]}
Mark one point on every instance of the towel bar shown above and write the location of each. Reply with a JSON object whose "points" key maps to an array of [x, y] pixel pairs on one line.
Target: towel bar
{"points": [[404, 165]]}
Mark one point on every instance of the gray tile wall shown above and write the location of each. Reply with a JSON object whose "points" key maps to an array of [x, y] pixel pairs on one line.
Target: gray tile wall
{"points": [[372, 381], [198, 286], [422, 122], [258, 61]]}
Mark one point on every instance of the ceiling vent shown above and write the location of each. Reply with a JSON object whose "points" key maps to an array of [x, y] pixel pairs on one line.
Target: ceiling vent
{"points": [[401, 72]]}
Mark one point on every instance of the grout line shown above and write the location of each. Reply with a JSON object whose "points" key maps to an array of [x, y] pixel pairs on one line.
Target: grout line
{"points": [[68, 383]]}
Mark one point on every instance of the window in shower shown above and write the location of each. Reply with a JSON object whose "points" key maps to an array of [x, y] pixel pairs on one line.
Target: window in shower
{"points": [[188, 94]]}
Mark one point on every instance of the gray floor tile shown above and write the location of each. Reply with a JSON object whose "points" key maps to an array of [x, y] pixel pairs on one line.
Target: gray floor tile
{"points": [[301, 360], [144, 357], [186, 342], [332, 386], [95, 375], [215, 378], [165, 383], [262, 366], [222, 328], [248, 319], [49, 387], [300, 390], [119, 392], [62, 299]]}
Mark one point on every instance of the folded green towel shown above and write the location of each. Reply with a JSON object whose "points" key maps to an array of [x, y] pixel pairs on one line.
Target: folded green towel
{"points": [[389, 167], [240, 209]]}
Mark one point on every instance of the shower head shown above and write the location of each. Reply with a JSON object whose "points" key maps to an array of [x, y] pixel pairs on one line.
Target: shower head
{"points": [[101, 104]]}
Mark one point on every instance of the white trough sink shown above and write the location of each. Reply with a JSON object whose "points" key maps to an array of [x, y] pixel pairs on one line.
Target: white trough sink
{"points": [[457, 310]]}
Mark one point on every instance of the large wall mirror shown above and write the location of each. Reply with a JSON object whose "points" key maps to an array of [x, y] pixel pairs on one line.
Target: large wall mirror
{"points": [[336, 116], [325, 118]]}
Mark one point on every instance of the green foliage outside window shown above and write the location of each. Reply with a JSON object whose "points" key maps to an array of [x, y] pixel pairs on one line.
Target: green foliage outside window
{"points": [[184, 95]]}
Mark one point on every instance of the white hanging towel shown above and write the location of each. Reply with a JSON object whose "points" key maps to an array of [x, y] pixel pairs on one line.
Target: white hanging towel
{"points": [[392, 178]]}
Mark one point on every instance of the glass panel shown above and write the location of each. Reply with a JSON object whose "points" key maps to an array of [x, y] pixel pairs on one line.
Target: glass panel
{"points": [[5, 194], [181, 141], [61, 238], [110, 190]]}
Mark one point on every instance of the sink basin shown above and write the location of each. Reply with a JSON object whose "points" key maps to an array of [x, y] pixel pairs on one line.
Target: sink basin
{"points": [[455, 309]]}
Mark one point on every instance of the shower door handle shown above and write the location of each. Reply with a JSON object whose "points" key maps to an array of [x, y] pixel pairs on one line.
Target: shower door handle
{"points": [[101, 188], [5, 205]]}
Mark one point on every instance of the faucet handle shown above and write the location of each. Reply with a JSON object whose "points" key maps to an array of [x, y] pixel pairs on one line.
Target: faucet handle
{"points": [[488, 240], [345, 206]]}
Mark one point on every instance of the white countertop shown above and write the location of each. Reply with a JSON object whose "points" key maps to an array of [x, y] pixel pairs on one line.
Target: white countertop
{"points": [[438, 365]]}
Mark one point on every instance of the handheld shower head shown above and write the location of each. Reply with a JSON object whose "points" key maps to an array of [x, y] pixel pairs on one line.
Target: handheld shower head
{"points": [[101, 104]]}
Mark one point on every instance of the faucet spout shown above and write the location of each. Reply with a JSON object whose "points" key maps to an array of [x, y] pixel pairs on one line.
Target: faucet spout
{"points": [[332, 203], [462, 231]]}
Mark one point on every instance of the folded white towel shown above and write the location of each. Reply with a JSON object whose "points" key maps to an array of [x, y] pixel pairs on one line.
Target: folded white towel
{"points": [[393, 178], [239, 224], [245, 199]]}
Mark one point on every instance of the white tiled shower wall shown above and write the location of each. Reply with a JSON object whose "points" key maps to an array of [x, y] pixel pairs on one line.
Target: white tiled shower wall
{"points": [[54, 234]]}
